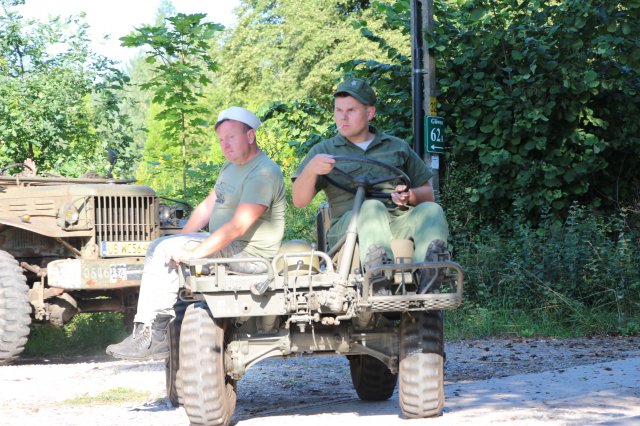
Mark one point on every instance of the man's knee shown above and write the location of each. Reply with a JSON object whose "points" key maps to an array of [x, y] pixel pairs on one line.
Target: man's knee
{"points": [[373, 206], [154, 246], [161, 244], [429, 210]]}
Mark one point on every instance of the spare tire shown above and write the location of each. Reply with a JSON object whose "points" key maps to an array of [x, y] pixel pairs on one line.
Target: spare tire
{"points": [[15, 309]]}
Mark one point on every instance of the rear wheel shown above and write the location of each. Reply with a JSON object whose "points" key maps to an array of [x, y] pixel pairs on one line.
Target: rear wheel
{"points": [[371, 379], [172, 364], [421, 375], [15, 309], [209, 395]]}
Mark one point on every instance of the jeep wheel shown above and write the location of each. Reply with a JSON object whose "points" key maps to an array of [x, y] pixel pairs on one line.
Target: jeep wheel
{"points": [[15, 310], [421, 383], [173, 383], [371, 379], [209, 396]]}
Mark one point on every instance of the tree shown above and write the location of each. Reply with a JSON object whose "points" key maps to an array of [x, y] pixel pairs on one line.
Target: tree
{"points": [[289, 50], [60, 107], [178, 50]]}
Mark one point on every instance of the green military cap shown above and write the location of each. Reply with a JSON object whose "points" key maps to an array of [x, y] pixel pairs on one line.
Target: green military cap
{"points": [[359, 89]]}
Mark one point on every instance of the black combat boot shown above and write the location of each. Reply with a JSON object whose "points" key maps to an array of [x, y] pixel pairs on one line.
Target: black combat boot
{"points": [[146, 342], [429, 280], [381, 281], [138, 328]]}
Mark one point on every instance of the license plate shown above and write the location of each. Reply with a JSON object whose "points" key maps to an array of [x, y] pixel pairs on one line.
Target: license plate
{"points": [[123, 248]]}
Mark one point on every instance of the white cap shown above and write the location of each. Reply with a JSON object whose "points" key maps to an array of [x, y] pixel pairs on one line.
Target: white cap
{"points": [[239, 114]]}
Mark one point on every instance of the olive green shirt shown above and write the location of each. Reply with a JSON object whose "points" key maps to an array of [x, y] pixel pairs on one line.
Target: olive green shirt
{"points": [[385, 148], [260, 182]]}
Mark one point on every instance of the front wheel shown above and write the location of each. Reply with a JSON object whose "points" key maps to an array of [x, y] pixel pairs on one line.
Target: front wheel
{"points": [[172, 364], [421, 374], [15, 309], [208, 394]]}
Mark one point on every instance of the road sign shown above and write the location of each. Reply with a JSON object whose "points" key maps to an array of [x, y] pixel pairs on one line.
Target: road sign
{"points": [[434, 135]]}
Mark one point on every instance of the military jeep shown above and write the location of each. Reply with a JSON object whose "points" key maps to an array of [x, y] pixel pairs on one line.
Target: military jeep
{"points": [[314, 301], [70, 245]]}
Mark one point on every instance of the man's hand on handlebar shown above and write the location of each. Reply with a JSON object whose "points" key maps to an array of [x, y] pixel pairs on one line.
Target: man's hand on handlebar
{"points": [[321, 164], [401, 195], [179, 255]]}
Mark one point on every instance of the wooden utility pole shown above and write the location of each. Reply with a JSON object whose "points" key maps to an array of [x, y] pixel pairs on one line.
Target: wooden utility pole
{"points": [[427, 128]]}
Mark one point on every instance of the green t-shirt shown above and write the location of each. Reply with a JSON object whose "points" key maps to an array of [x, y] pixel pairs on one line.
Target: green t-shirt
{"points": [[384, 148], [259, 181]]}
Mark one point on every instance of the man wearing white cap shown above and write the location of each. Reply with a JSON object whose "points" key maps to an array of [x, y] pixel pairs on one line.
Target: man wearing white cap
{"points": [[245, 214]]}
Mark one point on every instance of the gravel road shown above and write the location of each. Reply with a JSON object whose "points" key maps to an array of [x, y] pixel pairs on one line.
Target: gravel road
{"points": [[52, 391]]}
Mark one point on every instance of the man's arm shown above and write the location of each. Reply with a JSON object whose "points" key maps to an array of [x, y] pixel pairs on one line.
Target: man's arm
{"points": [[412, 196], [304, 187], [246, 215], [200, 215]]}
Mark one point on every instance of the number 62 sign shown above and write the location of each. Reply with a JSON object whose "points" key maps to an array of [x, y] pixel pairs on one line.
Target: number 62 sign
{"points": [[434, 135]]}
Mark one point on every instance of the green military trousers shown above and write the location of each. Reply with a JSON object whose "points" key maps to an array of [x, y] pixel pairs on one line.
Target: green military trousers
{"points": [[422, 224]]}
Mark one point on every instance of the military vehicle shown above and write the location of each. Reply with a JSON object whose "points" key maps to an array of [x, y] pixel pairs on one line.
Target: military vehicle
{"points": [[316, 300], [71, 245]]}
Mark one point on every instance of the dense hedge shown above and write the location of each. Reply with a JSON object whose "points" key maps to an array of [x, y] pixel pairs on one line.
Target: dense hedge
{"points": [[540, 98], [588, 261]]}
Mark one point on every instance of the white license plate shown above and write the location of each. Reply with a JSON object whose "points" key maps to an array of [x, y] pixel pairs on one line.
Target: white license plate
{"points": [[123, 248]]}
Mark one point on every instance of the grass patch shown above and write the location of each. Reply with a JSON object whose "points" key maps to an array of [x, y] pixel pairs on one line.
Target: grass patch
{"points": [[111, 396], [85, 334], [477, 322]]}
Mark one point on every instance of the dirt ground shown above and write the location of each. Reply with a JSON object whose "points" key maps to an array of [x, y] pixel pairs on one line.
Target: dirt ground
{"points": [[47, 391], [483, 359]]}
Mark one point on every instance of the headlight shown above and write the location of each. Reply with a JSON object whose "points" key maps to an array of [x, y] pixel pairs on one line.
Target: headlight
{"points": [[164, 213], [71, 215], [173, 216]]}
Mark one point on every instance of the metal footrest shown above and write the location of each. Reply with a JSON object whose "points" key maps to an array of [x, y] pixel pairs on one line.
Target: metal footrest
{"points": [[450, 298], [415, 302]]}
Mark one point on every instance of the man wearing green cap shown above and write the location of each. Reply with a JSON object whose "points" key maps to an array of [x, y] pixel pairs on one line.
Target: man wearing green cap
{"points": [[411, 213]]}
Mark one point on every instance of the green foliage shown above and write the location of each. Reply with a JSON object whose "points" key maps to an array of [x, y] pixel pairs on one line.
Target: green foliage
{"points": [[289, 50], [85, 334], [538, 95], [60, 107], [178, 51], [291, 129], [476, 322], [301, 223], [161, 158], [588, 263], [392, 78]]}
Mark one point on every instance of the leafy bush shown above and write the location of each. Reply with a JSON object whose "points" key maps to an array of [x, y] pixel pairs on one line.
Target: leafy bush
{"points": [[292, 128], [301, 223], [85, 334], [538, 94], [588, 262]]}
